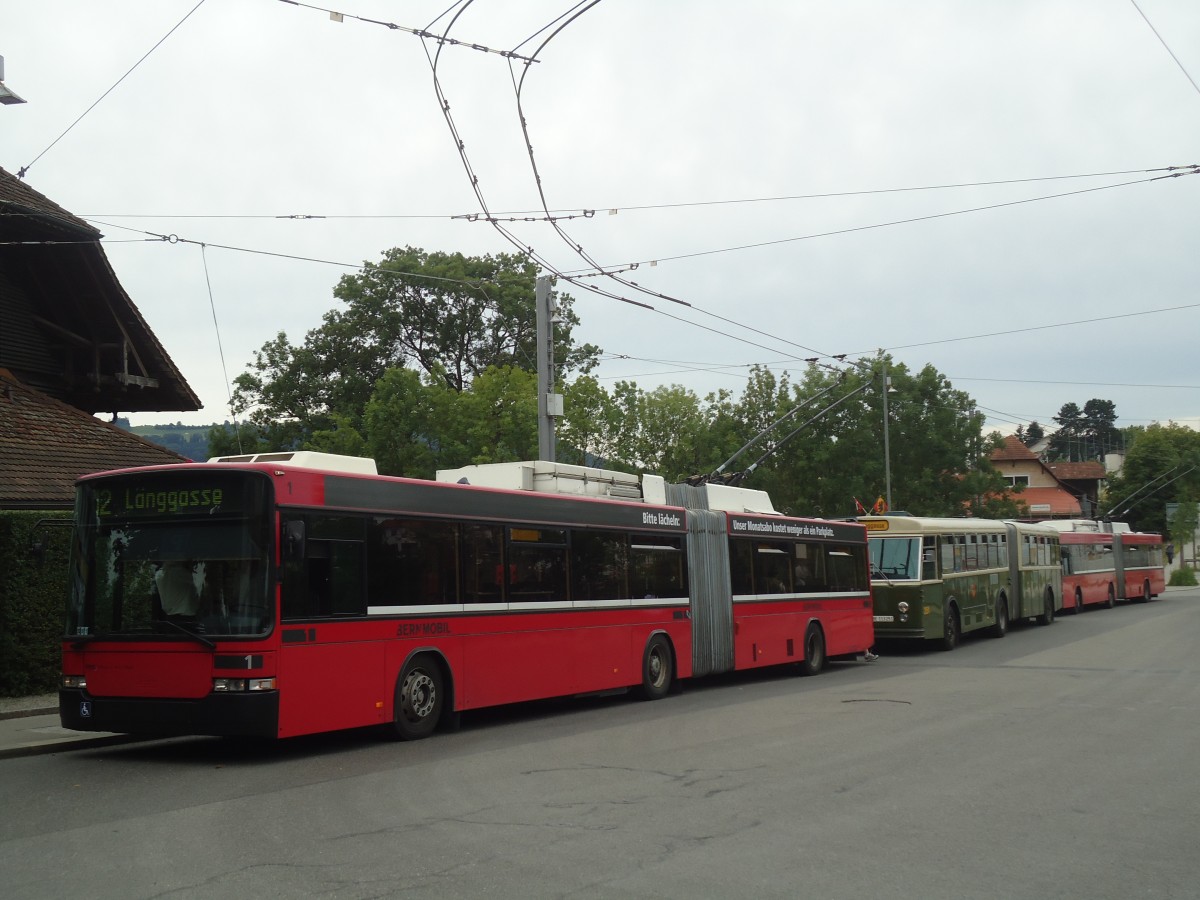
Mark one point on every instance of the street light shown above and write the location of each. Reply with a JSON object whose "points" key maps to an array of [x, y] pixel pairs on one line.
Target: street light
{"points": [[7, 97]]}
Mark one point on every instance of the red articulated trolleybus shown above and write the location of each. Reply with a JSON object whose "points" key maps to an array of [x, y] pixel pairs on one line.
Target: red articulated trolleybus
{"points": [[292, 593], [1104, 562]]}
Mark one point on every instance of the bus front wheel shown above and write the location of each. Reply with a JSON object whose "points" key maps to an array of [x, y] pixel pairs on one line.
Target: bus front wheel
{"points": [[814, 651], [420, 696], [1078, 601], [658, 668], [950, 628]]}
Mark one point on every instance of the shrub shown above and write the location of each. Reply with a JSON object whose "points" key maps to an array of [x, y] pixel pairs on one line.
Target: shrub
{"points": [[33, 590], [1183, 577]]}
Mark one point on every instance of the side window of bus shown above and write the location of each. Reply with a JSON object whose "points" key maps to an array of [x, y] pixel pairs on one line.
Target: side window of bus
{"points": [[847, 569], [537, 561], [772, 568], [947, 555], [741, 567], [971, 553], [599, 565], [329, 579], [411, 562], [808, 568], [656, 567], [929, 558], [483, 573]]}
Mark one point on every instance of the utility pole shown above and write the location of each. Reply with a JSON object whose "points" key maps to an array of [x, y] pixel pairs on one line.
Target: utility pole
{"points": [[887, 449], [550, 404]]}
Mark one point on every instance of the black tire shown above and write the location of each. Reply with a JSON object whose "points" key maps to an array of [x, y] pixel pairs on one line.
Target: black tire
{"points": [[1047, 616], [814, 650], [1000, 628], [420, 698], [658, 669], [1112, 598], [1147, 595], [951, 629], [1078, 601]]}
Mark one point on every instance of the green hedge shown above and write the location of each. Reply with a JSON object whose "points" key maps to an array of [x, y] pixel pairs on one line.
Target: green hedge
{"points": [[1183, 577], [33, 591]]}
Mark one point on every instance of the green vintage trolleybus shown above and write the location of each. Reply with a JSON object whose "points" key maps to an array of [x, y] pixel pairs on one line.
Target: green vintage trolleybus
{"points": [[937, 579]]}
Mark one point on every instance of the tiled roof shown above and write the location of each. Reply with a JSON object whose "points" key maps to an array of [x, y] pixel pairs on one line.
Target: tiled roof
{"points": [[45, 445], [71, 330], [17, 196], [1077, 471], [1060, 502], [1012, 450]]}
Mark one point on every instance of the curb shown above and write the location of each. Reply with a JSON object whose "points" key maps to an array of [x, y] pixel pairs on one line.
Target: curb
{"points": [[25, 713], [84, 743]]}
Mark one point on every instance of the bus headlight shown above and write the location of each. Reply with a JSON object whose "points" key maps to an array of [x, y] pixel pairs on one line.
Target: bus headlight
{"points": [[230, 685], [902, 606]]}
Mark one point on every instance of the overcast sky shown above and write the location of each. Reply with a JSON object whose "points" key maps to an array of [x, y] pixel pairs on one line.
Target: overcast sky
{"points": [[698, 132]]}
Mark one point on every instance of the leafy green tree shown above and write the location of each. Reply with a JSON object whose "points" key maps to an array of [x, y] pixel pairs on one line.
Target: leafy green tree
{"points": [[938, 454], [1182, 526], [448, 316], [1162, 465]]}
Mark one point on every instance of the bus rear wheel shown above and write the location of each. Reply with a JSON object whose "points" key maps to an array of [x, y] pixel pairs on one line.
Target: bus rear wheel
{"points": [[814, 651], [951, 631], [1112, 598], [1047, 616], [658, 669], [1147, 596], [1000, 628], [420, 696]]}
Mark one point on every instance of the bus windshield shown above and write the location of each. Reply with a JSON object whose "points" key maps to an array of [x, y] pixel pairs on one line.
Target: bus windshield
{"points": [[896, 558], [171, 554]]}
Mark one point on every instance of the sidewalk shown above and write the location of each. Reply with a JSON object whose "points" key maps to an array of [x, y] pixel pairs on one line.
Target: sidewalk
{"points": [[29, 726]]}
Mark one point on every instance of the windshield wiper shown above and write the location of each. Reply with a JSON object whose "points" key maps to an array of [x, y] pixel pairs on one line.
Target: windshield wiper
{"points": [[192, 634]]}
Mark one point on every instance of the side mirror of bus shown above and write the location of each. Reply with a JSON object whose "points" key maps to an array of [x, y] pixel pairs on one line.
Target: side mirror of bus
{"points": [[293, 540]]}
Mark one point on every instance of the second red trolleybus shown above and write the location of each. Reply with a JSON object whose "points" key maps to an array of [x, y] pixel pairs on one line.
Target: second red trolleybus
{"points": [[287, 594], [1104, 562]]}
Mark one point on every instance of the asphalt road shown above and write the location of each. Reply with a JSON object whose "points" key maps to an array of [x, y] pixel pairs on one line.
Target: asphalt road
{"points": [[1057, 762]]}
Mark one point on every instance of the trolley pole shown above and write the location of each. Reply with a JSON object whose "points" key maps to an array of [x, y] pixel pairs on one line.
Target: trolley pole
{"points": [[550, 404]]}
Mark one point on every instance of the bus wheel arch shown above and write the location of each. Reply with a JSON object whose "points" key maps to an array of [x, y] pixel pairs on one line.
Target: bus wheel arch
{"points": [[814, 650], [658, 667], [422, 697], [951, 626]]}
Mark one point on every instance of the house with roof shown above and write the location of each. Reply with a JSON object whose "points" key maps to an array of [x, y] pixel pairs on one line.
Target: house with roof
{"points": [[1059, 490], [72, 344]]}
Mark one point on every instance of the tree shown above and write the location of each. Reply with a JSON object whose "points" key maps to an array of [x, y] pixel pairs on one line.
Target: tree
{"points": [[1085, 434], [1182, 527], [447, 316], [1031, 435], [938, 454], [1162, 465]]}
